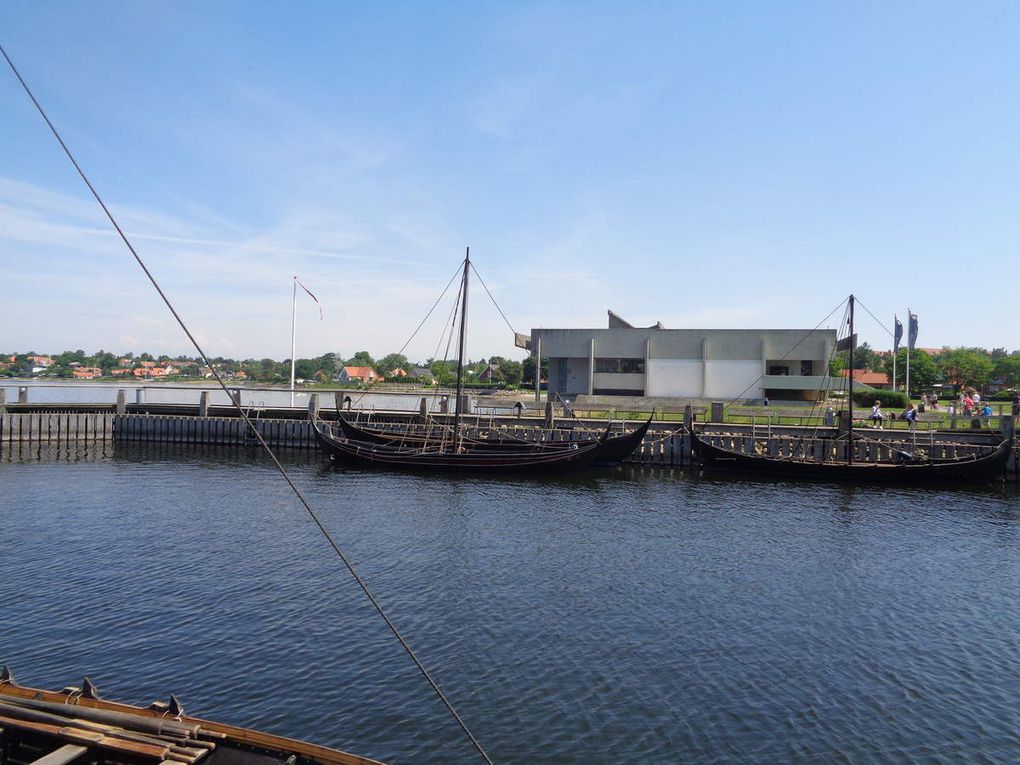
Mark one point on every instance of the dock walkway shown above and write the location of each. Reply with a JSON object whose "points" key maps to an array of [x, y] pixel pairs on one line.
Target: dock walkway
{"points": [[666, 445]]}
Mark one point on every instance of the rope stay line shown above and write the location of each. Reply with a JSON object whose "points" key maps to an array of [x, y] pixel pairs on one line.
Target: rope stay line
{"points": [[251, 426], [877, 321], [841, 334], [418, 328], [485, 286], [789, 351]]}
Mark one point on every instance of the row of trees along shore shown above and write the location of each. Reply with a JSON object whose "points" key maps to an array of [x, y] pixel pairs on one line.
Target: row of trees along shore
{"points": [[952, 368], [325, 368]]}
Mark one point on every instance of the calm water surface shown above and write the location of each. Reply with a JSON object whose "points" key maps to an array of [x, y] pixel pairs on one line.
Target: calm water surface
{"points": [[613, 617]]}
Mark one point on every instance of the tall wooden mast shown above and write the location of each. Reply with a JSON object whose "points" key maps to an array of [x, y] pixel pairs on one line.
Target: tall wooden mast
{"points": [[460, 352], [850, 395]]}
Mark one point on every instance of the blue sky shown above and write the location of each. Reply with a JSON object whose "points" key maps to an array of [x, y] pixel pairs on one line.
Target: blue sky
{"points": [[739, 164]]}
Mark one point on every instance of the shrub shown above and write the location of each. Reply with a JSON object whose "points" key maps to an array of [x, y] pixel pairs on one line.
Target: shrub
{"points": [[889, 399]]}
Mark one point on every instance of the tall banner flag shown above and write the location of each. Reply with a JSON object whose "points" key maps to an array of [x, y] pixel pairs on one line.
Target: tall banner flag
{"points": [[912, 330], [897, 337]]}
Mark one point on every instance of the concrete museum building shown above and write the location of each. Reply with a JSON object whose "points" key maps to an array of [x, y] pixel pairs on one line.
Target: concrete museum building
{"points": [[719, 364]]}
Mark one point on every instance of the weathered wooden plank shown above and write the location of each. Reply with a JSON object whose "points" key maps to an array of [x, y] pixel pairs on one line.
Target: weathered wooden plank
{"points": [[62, 756], [79, 736]]}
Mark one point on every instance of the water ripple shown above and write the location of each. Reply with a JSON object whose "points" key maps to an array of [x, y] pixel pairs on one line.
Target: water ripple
{"points": [[631, 616]]}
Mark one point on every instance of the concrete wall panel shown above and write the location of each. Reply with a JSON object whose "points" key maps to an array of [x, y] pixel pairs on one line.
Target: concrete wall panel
{"points": [[675, 377], [727, 380], [577, 377]]}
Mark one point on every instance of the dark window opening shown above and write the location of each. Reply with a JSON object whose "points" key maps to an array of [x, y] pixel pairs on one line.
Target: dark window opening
{"points": [[617, 366]]}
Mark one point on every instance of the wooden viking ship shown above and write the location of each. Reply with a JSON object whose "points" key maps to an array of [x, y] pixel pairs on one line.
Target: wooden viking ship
{"points": [[839, 459], [76, 727], [613, 448], [454, 450]]}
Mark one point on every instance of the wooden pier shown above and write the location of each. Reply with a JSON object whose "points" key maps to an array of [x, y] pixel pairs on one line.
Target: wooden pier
{"points": [[667, 444], [59, 427]]}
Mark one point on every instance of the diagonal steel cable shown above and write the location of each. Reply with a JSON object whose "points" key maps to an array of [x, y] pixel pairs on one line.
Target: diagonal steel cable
{"points": [[251, 425], [485, 286]]}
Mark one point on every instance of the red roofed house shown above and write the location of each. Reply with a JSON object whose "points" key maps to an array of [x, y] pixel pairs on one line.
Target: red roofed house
{"points": [[357, 374], [879, 380]]}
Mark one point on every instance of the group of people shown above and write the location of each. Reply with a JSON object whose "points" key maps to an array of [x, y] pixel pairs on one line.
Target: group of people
{"points": [[930, 400], [970, 406], [970, 403], [877, 418]]}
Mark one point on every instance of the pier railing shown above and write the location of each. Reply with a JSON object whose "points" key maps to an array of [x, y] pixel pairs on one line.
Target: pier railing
{"points": [[666, 444]]}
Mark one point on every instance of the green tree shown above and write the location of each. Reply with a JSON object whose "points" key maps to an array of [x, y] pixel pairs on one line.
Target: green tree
{"points": [[924, 373], [329, 364], [19, 366], [361, 359], [268, 370], [305, 369], [106, 361], [513, 372], [528, 366], [966, 366], [392, 361], [864, 357], [1007, 369], [445, 372]]}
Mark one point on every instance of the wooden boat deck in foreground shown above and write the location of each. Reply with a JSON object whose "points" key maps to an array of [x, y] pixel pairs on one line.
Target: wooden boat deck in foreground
{"points": [[74, 726]]}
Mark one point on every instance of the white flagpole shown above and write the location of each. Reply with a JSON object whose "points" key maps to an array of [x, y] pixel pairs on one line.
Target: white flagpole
{"points": [[908, 354], [293, 339], [293, 331], [894, 319]]}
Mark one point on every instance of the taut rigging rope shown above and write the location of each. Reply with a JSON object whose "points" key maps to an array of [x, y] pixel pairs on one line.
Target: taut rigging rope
{"points": [[311, 512]]}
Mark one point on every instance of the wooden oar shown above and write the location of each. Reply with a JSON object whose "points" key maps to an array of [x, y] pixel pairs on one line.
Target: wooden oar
{"points": [[90, 738]]}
